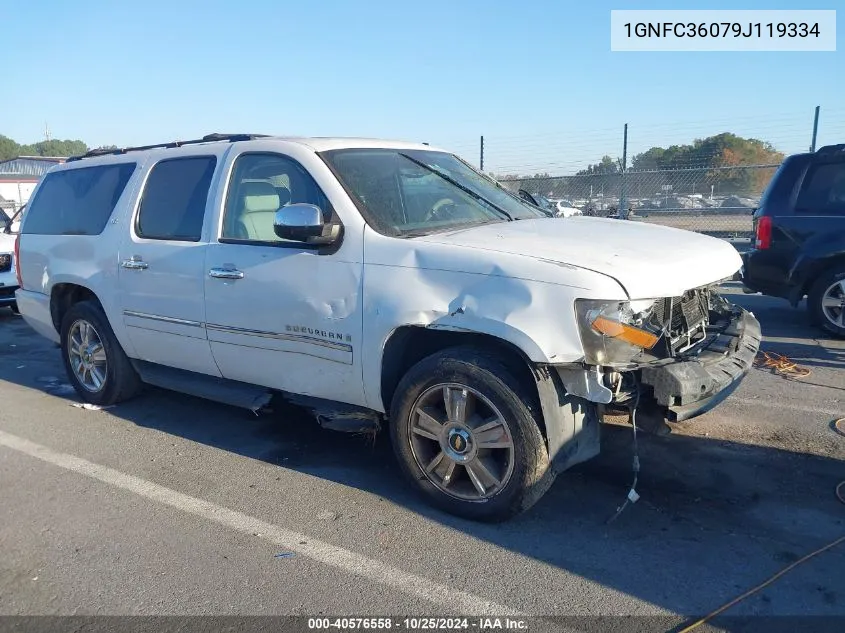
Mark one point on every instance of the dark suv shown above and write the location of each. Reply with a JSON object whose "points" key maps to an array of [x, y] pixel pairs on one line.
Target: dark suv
{"points": [[799, 228]]}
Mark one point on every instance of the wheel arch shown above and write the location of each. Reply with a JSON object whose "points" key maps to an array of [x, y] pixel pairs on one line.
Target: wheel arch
{"points": [[569, 425], [64, 295], [807, 271], [407, 345]]}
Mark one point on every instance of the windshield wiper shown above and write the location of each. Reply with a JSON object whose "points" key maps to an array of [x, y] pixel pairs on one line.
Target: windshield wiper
{"points": [[421, 231], [463, 188]]}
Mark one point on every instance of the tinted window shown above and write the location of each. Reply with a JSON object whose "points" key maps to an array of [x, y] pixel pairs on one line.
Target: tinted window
{"points": [[823, 190], [77, 201], [261, 184], [174, 199]]}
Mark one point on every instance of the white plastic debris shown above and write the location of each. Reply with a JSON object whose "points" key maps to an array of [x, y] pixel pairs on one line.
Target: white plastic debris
{"points": [[89, 407]]}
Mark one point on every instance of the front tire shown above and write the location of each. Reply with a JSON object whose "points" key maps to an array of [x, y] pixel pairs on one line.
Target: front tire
{"points": [[14, 308], [826, 302], [96, 364], [464, 433]]}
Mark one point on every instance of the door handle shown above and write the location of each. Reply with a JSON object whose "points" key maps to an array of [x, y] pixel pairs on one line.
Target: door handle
{"points": [[225, 273], [134, 263]]}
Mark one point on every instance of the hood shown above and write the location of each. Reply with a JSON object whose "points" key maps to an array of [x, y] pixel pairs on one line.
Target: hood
{"points": [[648, 260]]}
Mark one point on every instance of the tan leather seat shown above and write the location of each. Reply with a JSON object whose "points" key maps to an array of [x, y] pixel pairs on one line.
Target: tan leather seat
{"points": [[258, 206]]}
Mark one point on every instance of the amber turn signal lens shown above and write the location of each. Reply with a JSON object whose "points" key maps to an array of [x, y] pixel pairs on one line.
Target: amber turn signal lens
{"points": [[627, 333]]}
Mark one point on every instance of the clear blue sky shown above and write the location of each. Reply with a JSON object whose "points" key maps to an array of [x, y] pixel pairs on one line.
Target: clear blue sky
{"points": [[536, 78]]}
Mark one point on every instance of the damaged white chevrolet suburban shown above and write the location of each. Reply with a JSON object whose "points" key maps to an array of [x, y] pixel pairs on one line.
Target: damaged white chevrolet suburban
{"points": [[378, 281]]}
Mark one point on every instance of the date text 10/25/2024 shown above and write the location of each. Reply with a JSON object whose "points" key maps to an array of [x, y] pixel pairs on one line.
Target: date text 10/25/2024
{"points": [[418, 624]]}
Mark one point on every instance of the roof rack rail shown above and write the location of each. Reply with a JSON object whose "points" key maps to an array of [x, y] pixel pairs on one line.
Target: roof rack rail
{"points": [[208, 138], [831, 149]]}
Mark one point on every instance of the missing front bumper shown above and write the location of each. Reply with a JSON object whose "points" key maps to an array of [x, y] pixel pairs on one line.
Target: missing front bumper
{"points": [[689, 388]]}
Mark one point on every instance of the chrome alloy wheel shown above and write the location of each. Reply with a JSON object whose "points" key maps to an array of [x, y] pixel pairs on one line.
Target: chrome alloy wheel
{"points": [[833, 303], [461, 442], [87, 356]]}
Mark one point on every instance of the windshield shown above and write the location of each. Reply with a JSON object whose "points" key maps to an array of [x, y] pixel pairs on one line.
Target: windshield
{"points": [[415, 192]]}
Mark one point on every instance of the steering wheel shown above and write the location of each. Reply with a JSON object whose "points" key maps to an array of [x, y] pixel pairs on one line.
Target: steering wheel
{"points": [[439, 206]]}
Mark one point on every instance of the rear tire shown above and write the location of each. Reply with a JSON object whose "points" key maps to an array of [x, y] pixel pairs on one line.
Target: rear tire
{"points": [[487, 460], [822, 300], [96, 364], [14, 308]]}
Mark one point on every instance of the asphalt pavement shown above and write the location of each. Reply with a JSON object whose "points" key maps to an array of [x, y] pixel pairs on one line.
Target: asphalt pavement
{"points": [[170, 505]]}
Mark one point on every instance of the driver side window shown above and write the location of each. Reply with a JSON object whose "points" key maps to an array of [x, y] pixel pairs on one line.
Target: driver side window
{"points": [[260, 185]]}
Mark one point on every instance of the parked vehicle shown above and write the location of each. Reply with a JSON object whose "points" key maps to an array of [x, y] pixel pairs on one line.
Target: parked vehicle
{"points": [[799, 227], [377, 282], [13, 225], [565, 209], [538, 201], [8, 276]]}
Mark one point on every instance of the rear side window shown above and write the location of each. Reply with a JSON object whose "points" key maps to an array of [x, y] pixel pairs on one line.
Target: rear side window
{"points": [[823, 190], [174, 199], [77, 201]]}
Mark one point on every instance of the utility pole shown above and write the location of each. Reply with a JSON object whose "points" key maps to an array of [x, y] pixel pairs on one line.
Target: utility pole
{"points": [[815, 129], [481, 161], [46, 131], [623, 211]]}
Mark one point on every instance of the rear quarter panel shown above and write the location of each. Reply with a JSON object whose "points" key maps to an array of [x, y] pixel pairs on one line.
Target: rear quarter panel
{"points": [[90, 261]]}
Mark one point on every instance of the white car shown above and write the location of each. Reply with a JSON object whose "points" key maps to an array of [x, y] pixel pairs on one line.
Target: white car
{"points": [[379, 283], [564, 209], [8, 276]]}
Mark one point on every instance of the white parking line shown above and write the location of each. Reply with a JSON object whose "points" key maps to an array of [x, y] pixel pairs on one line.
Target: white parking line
{"points": [[373, 570], [753, 402]]}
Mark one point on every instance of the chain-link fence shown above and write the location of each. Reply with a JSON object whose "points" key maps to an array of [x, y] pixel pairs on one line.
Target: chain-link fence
{"points": [[718, 201], [8, 208], [700, 175]]}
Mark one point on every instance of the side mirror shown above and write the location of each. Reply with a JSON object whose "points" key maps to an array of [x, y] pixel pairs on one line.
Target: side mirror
{"points": [[304, 223], [528, 197]]}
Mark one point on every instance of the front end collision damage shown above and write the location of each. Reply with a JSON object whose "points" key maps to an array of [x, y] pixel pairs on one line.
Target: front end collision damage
{"points": [[522, 301], [519, 303], [688, 388], [679, 386], [574, 398], [572, 423], [518, 299]]}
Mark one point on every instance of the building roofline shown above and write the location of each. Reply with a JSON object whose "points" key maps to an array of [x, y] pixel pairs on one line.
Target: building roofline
{"points": [[48, 159]]}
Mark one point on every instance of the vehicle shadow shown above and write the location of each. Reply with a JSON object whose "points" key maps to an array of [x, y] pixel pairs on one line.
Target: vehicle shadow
{"points": [[701, 498], [714, 516]]}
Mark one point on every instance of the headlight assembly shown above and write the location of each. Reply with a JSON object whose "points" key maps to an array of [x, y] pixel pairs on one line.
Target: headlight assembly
{"points": [[615, 332]]}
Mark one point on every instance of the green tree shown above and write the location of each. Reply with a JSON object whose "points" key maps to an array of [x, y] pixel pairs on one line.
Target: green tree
{"points": [[607, 165], [8, 148], [721, 150], [714, 156], [54, 148]]}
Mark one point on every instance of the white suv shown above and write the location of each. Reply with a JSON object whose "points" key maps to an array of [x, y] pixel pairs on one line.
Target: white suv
{"points": [[378, 282]]}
